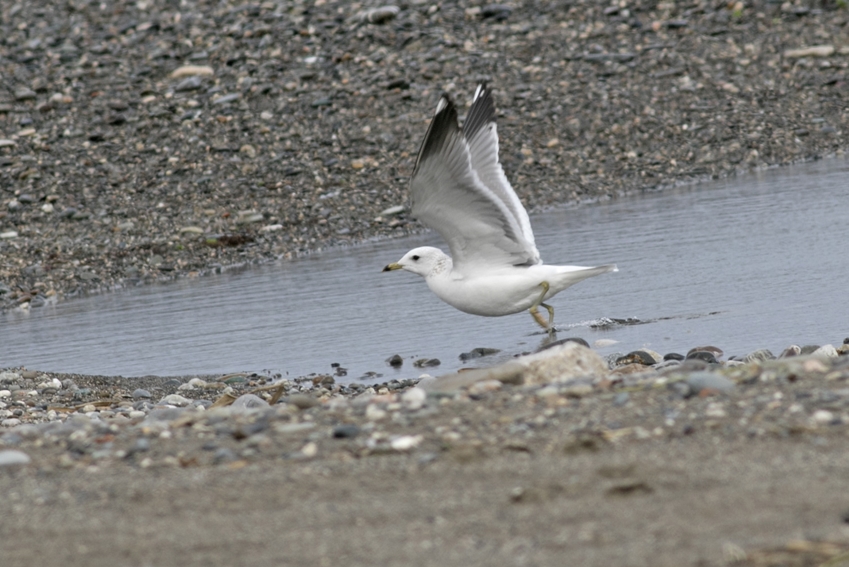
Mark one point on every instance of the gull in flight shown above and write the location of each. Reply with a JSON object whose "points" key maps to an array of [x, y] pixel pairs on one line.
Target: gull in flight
{"points": [[459, 189]]}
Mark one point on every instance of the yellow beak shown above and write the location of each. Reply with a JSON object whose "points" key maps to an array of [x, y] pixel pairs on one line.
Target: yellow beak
{"points": [[392, 266]]}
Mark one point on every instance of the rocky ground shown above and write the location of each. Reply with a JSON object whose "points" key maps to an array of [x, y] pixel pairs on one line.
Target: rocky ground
{"points": [[151, 140], [559, 457]]}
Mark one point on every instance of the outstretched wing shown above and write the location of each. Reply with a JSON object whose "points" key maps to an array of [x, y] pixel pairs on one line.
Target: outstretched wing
{"points": [[450, 197], [482, 136]]}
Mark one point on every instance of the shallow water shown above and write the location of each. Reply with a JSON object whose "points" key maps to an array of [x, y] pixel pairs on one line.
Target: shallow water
{"points": [[755, 262]]}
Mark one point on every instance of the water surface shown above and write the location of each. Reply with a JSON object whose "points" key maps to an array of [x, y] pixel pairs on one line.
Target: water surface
{"points": [[758, 261]]}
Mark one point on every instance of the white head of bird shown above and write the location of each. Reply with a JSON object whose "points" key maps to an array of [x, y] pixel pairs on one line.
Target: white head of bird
{"points": [[424, 261]]}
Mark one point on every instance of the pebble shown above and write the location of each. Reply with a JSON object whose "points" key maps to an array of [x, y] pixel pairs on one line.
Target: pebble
{"points": [[395, 360], [346, 431], [478, 352], [815, 51], [13, 457], [249, 402], [379, 15], [190, 70], [823, 417], [701, 382], [175, 400], [406, 442]]}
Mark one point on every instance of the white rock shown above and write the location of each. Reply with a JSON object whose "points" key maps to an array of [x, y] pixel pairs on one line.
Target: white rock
{"points": [[826, 351], [484, 386], [6, 377], [602, 343], [561, 364], [374, 413], [822, 417], [198, 383], [175, 400], [405, 442], [414, 398], [5, 393], [13, 457], [309, 450], [815, 51]]}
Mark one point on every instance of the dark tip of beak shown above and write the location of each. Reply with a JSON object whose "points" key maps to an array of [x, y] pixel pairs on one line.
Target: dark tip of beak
{"points": [[386, 269]]}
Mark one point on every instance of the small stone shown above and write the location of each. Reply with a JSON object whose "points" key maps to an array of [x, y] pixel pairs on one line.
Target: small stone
{"points": [[189, 84], [392, 211], [395, 361], [478, 352], [175, 400], [563, 363], [702, 382], [226, 99], [759, 355], [642, 356], [192, 70], [484, 386], [498, 12], [426, 362], [248, 402], [822, 417], [309, 450], [375, 413], [13, 457], [406, 442], [24, 93], [704, 355], [792, 350], [345, 431], [815, 51], [302, 401], [379, 15], [826, 351], [414, 398]]}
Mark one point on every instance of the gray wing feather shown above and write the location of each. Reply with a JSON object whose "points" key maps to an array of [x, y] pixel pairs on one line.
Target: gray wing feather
{"points": [[449, 197], [482, 136]]}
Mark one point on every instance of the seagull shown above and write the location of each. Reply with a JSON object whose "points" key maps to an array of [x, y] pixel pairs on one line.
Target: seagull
{"points": [[459, 189]]}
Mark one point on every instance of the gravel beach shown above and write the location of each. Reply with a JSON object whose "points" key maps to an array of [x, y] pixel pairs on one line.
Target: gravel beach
{"points": [[558, 458], [148, 141]]}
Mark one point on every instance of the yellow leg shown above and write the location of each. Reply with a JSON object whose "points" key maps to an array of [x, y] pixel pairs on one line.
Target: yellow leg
{"points": [[534, 310]]}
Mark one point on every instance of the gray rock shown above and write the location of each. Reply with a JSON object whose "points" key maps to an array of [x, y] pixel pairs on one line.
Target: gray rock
{"points": [[701, 381], [175, 400], [13, 457], [249, 402], [478, 352], [141, 394], [759, 355], [561, 364], [24, 93], [189, 84], [792, 350]]}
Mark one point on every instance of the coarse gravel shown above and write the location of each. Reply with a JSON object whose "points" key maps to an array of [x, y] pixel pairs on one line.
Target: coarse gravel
{"points": [[154, 140]]}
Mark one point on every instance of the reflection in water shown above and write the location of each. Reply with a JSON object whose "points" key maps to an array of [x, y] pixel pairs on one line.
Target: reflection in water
{"points": [[751, 263]]}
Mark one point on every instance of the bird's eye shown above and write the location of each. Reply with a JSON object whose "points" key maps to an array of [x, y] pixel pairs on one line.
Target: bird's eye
{"points": [[415, 258]]}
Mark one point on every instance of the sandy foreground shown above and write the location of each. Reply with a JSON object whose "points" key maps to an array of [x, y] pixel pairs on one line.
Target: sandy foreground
{"points": [[297, 130], [558, 461]]}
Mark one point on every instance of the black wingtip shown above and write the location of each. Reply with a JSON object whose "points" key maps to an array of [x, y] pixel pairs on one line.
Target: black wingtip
{"points": [[481, 113], [443, 125]]}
